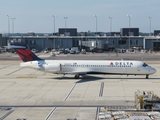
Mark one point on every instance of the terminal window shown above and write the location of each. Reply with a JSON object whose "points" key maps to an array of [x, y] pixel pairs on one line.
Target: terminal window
{"points": [[122, 42]]}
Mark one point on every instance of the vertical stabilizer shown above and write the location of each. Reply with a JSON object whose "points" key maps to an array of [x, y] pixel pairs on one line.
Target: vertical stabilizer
{"points": [[25, 53]]}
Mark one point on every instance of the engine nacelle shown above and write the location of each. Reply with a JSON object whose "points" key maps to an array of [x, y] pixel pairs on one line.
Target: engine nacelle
{"points": [[53, 67]]}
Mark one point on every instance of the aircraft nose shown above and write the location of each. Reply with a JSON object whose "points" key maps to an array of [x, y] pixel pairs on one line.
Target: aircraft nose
{"points": [[153, 70]]}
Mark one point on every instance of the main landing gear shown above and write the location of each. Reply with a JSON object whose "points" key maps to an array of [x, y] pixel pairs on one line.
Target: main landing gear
{"points": [[147, 76], [76, 76]]}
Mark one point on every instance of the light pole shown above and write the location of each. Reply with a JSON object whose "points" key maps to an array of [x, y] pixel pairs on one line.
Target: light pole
{"points": [[13, 24], [96, 22], [129, 16], [110, 25], [8, 24], [54, 20], [150, 25], [65, 18]]}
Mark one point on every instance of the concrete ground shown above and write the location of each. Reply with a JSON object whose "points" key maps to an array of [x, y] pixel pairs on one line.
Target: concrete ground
{"points": [[41, 95]]}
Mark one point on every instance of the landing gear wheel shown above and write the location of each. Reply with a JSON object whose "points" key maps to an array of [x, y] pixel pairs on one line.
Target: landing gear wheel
{"points": [[76, 76], [147, 76]]}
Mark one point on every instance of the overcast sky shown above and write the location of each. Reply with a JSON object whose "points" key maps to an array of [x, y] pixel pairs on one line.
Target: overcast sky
{"points": [[35, 15]]}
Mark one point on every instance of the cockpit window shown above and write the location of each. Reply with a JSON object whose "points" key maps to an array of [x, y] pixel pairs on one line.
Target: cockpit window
{"points": [[144, 65]]}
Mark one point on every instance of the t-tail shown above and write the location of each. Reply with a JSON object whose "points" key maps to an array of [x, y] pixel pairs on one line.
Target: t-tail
{"points": [[24, 52]]}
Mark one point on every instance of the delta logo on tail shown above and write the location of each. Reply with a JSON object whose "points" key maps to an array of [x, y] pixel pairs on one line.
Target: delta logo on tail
{"points": [[24, 52], [27, 55]]}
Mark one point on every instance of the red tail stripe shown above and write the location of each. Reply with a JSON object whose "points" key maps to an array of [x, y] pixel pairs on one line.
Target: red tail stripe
{"points": [[25, 55]]}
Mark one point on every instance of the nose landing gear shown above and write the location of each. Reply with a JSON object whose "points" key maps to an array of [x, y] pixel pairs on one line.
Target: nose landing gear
{"points": [[147, 76]]}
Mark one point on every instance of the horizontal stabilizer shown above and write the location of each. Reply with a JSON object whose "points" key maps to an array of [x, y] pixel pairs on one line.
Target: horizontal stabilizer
{"points": [[14, 47]]}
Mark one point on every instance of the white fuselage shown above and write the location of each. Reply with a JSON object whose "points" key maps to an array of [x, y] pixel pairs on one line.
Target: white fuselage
{"points": [[92, 67]]}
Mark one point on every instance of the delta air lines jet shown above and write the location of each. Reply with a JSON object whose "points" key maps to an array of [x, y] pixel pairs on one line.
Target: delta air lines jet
{"points": [[82, 67]]}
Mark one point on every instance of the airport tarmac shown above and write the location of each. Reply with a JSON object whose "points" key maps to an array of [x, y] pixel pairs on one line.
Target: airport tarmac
{"points": [[35, 95]]}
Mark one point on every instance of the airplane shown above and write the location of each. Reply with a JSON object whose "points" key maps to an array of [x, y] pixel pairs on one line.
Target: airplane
{"points": [[82, 67]]}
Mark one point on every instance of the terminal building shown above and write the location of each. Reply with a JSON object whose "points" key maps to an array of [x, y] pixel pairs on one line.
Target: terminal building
{"points": [[67, 38], [129, 31]]}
